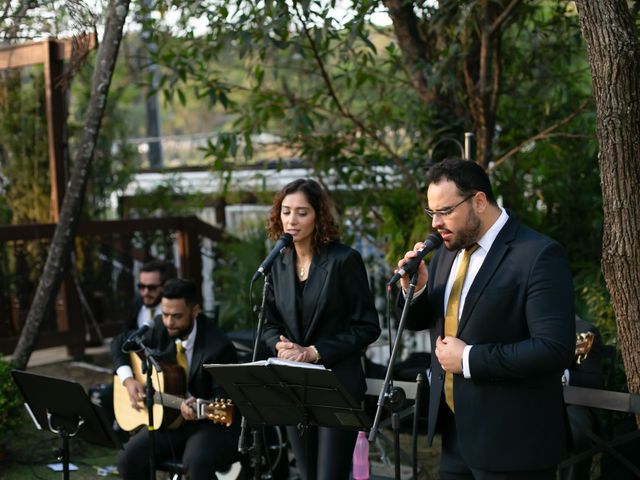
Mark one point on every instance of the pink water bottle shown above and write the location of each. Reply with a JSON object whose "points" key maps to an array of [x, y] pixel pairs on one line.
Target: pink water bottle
{"points": [[361, 458]]}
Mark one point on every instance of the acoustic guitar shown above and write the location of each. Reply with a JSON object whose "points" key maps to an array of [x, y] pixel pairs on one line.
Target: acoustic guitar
{"points": [[167, 384]]}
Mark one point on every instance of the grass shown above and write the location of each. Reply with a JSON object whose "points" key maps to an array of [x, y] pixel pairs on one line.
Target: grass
{"points": [[28, 451]]}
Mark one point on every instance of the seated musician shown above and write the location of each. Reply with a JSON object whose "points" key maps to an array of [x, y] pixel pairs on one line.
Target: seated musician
{"points": [[203, 446]]}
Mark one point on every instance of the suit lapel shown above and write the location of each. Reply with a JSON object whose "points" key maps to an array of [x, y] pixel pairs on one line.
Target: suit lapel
{"points": [[491, 263], [312, 292]]}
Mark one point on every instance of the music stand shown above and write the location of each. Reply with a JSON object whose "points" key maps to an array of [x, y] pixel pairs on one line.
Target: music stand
{"points": [[65, 409], [280, 392], [276, 392]]}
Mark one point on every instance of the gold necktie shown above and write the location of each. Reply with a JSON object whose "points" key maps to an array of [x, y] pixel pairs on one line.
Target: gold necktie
{"points": [[181, 358], [451, 316]]}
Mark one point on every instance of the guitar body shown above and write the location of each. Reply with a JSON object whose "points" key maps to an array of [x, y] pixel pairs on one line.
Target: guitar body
{"points": [[171, 380]]}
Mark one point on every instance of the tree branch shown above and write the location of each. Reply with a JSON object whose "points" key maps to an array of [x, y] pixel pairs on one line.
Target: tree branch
{"points": [[539, 136], [348, 115], [497, 23]]}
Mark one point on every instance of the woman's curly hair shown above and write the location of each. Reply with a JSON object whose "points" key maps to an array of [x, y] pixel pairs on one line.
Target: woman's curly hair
{"points": [[326, 228]]}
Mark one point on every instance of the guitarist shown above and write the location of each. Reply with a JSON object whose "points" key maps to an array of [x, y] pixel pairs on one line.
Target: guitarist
{"points": [[202, 446]]}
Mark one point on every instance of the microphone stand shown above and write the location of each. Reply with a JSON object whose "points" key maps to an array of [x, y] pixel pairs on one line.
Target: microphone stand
{"points": [[256, 447], [150, 362], [147, 368], [390, 396]]}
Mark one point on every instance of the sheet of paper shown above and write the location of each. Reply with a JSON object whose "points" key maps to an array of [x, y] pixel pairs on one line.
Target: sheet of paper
{"points": [[59, 467]]}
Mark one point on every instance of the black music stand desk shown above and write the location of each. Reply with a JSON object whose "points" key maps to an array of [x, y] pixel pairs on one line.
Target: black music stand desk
{"points": [[63, 407], [279, 392]]}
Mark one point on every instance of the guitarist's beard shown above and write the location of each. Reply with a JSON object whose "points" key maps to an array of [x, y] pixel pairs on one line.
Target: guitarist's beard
{"points": [[183, 333]]}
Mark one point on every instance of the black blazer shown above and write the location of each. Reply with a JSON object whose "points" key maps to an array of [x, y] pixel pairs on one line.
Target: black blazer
{"points": [[338, 311], [519, 317]]}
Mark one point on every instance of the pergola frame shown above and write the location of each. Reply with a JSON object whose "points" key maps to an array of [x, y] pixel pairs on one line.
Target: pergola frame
{"points": [[51, 54]]}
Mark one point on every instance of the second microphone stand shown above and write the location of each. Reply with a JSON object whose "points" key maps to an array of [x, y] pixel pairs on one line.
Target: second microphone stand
{"points": [[390, 396]]}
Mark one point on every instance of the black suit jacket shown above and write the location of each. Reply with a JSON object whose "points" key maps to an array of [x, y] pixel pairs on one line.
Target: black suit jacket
{"points": [[519, 317], [338, 310]]}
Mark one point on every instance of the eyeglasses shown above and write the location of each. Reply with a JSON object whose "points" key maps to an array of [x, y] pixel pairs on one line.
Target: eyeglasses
{"points": [[449, 210], [150, 287]]}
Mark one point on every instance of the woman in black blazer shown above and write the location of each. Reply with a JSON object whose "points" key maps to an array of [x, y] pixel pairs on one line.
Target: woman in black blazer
{"points": [[320, 310]]}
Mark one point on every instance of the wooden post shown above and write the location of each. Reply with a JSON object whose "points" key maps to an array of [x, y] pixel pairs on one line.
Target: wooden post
{"points": [[56, 121], [189, 251]]}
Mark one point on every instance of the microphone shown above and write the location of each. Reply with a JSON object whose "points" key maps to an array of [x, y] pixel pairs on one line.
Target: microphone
{"points": [[134, 340], [283, 242], [432, 242]]}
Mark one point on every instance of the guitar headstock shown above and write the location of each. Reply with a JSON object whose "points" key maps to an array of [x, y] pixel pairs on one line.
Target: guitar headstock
{"points": [[220, 411], [584, 342]]}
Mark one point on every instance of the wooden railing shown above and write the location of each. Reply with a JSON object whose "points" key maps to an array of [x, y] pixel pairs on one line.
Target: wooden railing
{"points": [[99, 285]]}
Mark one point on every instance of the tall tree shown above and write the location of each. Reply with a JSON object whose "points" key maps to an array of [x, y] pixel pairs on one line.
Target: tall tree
{"points": [[614, 57], [62, 242]]}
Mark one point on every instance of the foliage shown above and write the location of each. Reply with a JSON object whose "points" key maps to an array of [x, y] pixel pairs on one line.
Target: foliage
{"points": [[10, 398], [336, 91], [167, 198], [24, 157], [113, 162], [24, 160], [238, 263]]}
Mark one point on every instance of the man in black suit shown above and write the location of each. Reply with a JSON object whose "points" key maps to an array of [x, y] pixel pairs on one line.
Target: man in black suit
{"points": [[201, 445], [501, 341]]}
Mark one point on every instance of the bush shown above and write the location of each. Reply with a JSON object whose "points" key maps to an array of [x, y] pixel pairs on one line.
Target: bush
{"points": [[10, 398]]}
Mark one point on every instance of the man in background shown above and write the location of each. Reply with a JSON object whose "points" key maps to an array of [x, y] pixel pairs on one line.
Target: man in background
{"points": [[151, 280]]}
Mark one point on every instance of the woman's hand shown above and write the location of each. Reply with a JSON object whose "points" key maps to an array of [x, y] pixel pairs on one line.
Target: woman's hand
{"points": [[288, 350]]}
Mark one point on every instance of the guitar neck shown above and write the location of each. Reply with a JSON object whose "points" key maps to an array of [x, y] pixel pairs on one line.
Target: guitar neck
{"points": [[174, 401], [168, 400]]}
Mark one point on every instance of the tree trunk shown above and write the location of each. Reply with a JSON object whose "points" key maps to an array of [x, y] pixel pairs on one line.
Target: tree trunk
{"points": [[63, 237], [614, 59]]}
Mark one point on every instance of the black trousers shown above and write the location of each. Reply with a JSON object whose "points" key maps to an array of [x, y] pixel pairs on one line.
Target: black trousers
{"points": [[201, 446], [454, 467], [323, 453]]}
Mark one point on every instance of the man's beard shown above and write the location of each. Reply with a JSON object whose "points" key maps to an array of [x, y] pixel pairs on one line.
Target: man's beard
{"points": [[155, 303], [183, 333], [468, 235]]}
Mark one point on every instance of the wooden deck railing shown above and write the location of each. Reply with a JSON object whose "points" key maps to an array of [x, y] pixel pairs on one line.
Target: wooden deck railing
{"points": [[100, 284]]}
